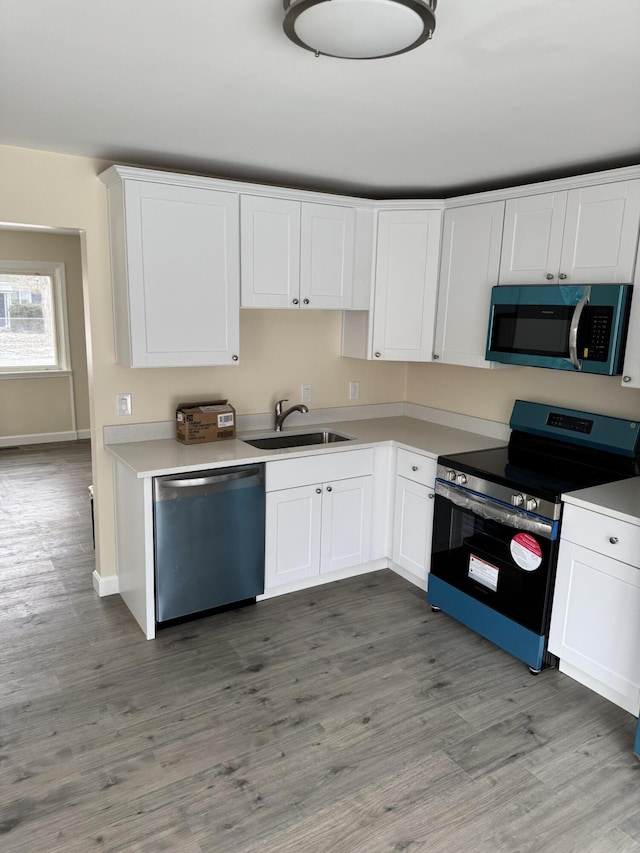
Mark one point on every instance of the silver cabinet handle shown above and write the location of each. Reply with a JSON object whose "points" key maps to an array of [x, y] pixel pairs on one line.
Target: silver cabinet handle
{"points": [[414, 467], [626, 379], [305, 301], [613, 540], [234, 358], [431, 496], [435, 356], [377, 354], [318, 491], [295, 301], [550, 276], [329, 488], [562, 276]]}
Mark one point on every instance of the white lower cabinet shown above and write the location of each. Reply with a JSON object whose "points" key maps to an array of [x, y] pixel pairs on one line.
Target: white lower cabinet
{"points": [[413, 516], [318, 527], [595, 623]]}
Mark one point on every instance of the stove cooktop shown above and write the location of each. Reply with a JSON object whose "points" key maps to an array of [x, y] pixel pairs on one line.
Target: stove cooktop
{"points": [[540, 474]]}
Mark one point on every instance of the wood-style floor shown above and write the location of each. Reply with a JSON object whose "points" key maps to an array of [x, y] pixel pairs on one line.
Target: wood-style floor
{"points": [[345, 719]]}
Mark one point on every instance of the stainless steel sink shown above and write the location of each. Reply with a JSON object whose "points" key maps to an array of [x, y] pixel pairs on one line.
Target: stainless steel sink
{"points": [[301, 439]]}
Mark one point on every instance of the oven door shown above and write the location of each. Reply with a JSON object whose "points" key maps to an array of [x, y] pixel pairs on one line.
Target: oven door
{"points": [[497, 554]]}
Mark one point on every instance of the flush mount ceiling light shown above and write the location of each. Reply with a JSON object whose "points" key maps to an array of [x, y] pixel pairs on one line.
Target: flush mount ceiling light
{"points": [[359, 29]]}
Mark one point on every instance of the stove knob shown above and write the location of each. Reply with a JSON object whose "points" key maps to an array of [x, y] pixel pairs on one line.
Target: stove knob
{"points": [[451, 476], [461, 479], [517, 499], [532, 504]]}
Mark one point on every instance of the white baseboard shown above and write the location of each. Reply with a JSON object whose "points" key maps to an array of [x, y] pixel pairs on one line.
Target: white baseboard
{"points": [[319, 580], [105, 585], [408, 576], [43, 437]]}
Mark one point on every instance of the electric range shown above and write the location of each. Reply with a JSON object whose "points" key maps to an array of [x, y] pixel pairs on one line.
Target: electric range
{"points": [[498, 514]]}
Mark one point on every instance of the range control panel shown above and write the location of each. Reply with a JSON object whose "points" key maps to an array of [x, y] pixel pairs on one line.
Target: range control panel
{"points": [[602, 432], [560, 421]]}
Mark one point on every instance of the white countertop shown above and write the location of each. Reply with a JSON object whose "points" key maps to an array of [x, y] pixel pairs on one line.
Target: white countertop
{"points": [[157, 457], [619, 500]]}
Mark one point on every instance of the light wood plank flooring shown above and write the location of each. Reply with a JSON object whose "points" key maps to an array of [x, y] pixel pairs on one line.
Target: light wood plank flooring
{"points": [[349, 718]]}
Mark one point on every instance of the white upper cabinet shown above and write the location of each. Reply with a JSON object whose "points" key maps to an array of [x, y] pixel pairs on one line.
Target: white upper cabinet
{"points": [[406, 283], [296, 254], [469, 268], [174, 255], [601, 234], [579, 236], [270, 252]]}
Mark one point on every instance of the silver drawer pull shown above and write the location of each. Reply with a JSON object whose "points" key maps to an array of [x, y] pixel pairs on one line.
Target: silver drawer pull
{"points": [[613, 540], [414, 467]]}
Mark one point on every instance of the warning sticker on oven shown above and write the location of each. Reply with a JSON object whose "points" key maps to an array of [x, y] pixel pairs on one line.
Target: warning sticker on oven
{"points": [[526, 552], [483, 572]]}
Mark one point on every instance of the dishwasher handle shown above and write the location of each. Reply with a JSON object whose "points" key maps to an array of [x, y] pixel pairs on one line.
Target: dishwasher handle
{"points": [[209, 480], [205, 482]]}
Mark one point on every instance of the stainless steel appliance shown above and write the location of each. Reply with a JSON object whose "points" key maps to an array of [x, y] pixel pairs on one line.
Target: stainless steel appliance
{"points": [[579, 328], [209, 539], [497, 520]]}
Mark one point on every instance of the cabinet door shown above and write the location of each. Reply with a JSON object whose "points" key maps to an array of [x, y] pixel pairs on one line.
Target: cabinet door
{"points": [[532, 239], [270, 252], [183, 277], [595, 623], [406, 284], [326, 256], [469, 268], [413, 521], [601, 234], [292, 549], [347, 506]]}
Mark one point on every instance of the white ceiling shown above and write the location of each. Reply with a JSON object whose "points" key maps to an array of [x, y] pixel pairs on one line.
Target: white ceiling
{"points": [[507, 91]]}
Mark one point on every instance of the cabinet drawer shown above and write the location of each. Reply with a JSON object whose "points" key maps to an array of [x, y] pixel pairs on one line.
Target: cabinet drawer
{"points": [[413, 466], [617, 539], [305, 471]]}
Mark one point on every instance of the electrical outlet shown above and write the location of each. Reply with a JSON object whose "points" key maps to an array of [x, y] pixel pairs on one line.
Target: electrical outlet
{"points": [[354, 390], [305, 393], [123, 404]]}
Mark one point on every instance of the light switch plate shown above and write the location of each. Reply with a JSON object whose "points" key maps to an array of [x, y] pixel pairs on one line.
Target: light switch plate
{"points": [[305, 393], [354, 390], [123, 404]]}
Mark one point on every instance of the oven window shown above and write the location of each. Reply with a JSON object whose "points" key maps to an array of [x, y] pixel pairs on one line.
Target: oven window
{"points": [[507, 569], [532, 330]]}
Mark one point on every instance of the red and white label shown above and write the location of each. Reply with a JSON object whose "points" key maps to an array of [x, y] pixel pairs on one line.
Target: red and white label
{"points": [[526, 552], [483, 572]]}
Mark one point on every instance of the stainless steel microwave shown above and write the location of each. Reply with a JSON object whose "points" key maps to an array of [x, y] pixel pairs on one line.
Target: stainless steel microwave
{"points": [[579, 328]]}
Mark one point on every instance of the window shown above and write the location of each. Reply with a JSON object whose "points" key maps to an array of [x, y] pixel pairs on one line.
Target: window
{"points": [[33, 323]]}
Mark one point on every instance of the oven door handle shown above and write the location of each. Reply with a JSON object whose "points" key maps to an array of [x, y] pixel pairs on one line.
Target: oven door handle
{"points": [[494, 511]]}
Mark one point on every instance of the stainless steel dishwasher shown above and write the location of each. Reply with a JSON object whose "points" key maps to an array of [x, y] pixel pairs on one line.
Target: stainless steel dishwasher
{"points": [[208, 539]]}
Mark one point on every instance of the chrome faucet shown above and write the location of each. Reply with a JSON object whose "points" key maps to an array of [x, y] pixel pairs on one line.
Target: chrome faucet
{"points": [[280, 415]]}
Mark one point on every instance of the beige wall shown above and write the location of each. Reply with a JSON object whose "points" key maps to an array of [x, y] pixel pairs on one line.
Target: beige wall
{"points": [[279, 350], [490, 393], [46, 405]]}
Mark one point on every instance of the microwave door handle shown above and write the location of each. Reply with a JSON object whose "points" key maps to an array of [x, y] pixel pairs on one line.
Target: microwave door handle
{"points": [[573, 330]]}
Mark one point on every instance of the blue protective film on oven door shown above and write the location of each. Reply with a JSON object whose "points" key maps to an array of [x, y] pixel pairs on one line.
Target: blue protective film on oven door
{"points": [[505, 633]]}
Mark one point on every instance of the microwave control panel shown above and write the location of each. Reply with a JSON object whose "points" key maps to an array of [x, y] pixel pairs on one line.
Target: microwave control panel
{"points": [[595, 344]]}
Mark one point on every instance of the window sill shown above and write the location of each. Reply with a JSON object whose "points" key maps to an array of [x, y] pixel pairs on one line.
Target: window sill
{"points": [[34, 374]]}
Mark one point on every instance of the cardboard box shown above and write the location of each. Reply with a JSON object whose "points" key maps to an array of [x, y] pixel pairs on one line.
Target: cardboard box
{"points": [[212, 420]]}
